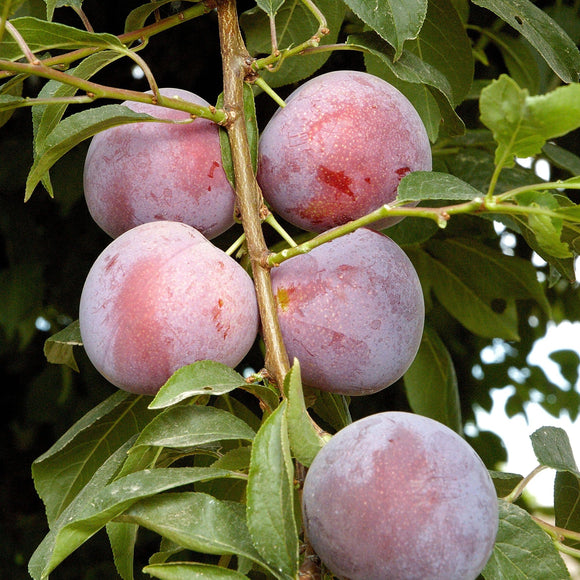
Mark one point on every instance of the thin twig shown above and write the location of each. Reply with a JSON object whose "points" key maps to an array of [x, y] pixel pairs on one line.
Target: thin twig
{"points": [[127, 38], [30, 56], [98, 91], [518, 490], [81, 14]]}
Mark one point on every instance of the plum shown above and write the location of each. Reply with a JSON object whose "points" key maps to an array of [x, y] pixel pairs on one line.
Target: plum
{"points": [[351, 311], [339, 149], [143, 172], [398, 496], [161, 296]]}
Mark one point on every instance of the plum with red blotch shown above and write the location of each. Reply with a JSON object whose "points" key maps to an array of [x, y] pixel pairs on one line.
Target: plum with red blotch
{"points": [[159, 297], [142, 172], [397, 496], [351, 311], [339, 149]]}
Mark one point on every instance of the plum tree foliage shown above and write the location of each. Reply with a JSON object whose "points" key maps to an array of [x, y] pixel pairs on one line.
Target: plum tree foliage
{"points": [[253, 435]]}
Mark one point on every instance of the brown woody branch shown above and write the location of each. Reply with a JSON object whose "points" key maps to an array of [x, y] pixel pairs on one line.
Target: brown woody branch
{"points": [[236, 64]]}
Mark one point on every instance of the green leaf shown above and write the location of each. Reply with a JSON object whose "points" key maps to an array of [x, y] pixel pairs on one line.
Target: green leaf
{"points": [[270, 7], [237, 459], [552, 448], [333, 409], [522, 551], [65, 469], [409, 67], [58, 349], [412, 230], [295, 24], [123, 537], [542, 32], [89, 514], [10, 99], [270, 496], [41, 36], [567, 501], [305, 440], [137, 17], [522, 124], [495, 275], [52, 4], [45, 118], [200, 378], [434, 71], [9, 7], [251, 131], [191, 571], [460, 295], [431, 382], [504, 482], [193, 425], [444, 44], [558, 266], [548, 235], [546, 229], [72, 131], [562, 158], [429, 185], [474, 164], [267, 394], [198, 522], [394, 21], [569, 362], [41, 562], [520, 60]]}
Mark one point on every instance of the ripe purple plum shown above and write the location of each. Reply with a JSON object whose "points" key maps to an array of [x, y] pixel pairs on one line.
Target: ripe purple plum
{"points": [[143, 172], [339, 149], [398, 496], [161, 296], [351, 311]]}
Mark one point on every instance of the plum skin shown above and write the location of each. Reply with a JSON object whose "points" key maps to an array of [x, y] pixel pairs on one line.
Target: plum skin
{"points": [[142, 172], [161, 296], [399, 496], [351, 311], [338, 150]]}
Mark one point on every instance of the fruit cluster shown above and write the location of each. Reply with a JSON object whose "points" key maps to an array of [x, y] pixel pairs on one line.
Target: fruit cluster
{"points": [[161, 296]]}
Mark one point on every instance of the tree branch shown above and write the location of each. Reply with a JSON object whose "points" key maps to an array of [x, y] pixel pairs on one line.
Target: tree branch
{"points": [[236, 63]]}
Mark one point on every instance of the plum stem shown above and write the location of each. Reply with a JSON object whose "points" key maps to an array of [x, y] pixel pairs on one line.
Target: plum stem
{"points": [[84, 19], [30, 56], [558, 536], [237, 244], [519, 488], [274, 61], [235, 59], [136, 58], [275, 225], [260, 82]]}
